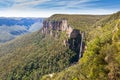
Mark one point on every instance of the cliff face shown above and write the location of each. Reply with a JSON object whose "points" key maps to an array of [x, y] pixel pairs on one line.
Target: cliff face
{"points": [[53, 28], [49, 27]]}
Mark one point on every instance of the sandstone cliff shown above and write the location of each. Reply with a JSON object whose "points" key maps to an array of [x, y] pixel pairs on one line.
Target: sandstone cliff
{"points": [[75, 39], [49, 27]]}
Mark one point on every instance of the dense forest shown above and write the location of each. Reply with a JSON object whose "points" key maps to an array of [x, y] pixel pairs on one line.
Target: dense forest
{"points": [[101, 60], [43, 57]]}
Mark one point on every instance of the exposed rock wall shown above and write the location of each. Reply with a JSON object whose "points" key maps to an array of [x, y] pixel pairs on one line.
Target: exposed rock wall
{"points": [[75, 38], [49, 27], [76, 43]]}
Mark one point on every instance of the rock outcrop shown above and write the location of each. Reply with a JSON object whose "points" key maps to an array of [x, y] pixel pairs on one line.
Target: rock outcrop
{"points": [[49, 27], [75, 38]]}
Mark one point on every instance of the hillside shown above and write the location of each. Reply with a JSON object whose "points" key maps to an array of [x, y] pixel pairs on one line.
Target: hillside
{"points": [[101, 60], [34, 55]]}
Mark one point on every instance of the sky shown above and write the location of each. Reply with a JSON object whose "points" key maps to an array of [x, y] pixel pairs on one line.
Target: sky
{"points": [[46, 8]]}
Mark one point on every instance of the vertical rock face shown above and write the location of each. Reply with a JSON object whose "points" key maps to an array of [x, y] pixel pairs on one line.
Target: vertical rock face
{"points": [[75, 43], [49, 27], [74, 36]]}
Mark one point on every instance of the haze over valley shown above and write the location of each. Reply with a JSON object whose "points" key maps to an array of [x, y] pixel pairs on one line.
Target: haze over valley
{"points": [[14, 27]]}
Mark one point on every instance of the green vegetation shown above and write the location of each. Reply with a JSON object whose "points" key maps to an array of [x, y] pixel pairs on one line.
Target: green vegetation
{"points": [[101, 60], [39, 57], [32, 56]]}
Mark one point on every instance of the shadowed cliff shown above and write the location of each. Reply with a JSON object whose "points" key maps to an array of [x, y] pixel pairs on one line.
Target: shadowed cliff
{"points": [[74, 37]]}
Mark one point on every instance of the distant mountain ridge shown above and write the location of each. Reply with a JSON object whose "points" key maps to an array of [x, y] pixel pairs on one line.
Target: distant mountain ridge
{"points": [[13, 27], [19, 21]]}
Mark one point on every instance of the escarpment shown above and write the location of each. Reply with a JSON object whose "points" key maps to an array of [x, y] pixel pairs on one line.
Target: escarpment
{"points": [[54, 27], [74, 37]]}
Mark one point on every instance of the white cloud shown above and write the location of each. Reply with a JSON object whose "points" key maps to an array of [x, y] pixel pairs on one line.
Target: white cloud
{"points": [[26, 4], [21, 1], [72, 3], [22, 13], [26, 8], [39, 13]]}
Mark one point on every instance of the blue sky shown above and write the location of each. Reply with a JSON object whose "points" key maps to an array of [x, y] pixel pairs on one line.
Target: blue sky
{"points": [[45, 8]]}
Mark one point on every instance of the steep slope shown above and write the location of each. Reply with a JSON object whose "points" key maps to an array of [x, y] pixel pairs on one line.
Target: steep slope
{"points": [[101, 60], [34, 55]]}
